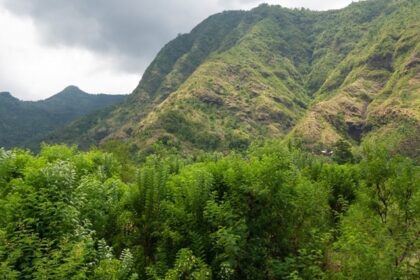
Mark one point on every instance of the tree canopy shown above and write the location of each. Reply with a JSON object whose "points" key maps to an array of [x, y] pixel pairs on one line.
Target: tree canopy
{"points": [[273, 212]]}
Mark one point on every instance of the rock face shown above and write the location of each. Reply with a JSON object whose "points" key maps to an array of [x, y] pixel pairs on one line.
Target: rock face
{"points": [[274, 72]]}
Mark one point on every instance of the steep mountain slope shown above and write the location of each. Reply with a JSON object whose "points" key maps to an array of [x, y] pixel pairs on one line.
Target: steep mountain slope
{"points": [[375, 92], [268, 73], [25, 122]]}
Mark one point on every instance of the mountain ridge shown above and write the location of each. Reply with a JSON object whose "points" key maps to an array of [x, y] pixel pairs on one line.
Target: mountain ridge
{"points": [[25, 123], [270, 72]]}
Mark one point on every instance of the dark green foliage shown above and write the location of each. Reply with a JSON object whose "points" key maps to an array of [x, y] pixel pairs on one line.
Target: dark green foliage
{"points": [[342, 152], [25, 123]]}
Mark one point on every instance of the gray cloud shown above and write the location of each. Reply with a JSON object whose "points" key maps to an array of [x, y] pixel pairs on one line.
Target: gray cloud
{"points": [[130, 31]]}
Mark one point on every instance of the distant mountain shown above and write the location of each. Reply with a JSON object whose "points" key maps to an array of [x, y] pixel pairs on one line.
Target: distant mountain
{"points": [[273, 72], [24, 123]]}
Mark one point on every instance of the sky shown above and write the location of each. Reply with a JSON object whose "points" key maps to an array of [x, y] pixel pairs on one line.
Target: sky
{"points": [[101, 46]]}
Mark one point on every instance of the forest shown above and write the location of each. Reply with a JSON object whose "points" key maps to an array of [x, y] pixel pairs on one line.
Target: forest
{"points": [[272, 212]]}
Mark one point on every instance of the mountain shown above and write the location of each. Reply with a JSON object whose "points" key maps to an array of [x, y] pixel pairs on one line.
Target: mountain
{"points": [[374, 93], [273, 72], [23, 123]]}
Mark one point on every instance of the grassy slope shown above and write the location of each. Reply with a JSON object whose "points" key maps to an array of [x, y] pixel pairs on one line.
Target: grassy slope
{"points": [[235, 96], [241, 76], [172, 66], [374, 92]]}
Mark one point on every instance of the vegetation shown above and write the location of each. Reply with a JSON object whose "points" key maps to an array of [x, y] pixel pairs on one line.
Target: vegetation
{"points": [[271, 213], [25, 123], [186, 181], [272, 72]]}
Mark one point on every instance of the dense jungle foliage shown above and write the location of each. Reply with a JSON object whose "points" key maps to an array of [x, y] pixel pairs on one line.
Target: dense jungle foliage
{"points": [[274, 212]]}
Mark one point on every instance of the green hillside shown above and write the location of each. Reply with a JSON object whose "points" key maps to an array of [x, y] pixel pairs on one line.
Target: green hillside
{"points": [[24, 123], [374, 93], [274, 72]]}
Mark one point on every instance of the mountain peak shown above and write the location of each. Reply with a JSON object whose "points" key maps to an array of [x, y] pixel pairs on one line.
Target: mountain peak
{"points": [[68, 92], [23, 123], [72, 89], [6, 94]]}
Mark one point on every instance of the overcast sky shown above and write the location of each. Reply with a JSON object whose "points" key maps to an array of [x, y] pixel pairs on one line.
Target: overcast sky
{"points": [[98, 45]]}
